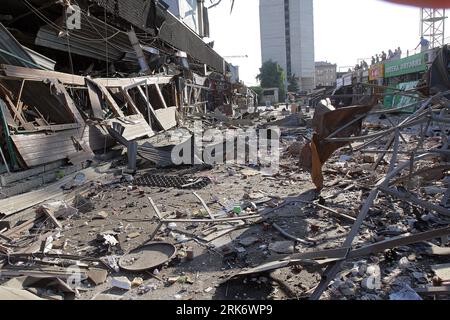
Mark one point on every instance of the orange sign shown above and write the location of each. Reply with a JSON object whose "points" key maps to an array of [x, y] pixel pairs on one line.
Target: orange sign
{"points": [[376, 71]]}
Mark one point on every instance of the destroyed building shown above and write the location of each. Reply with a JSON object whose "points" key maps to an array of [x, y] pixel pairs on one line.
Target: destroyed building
{"points": [[135, 167]]}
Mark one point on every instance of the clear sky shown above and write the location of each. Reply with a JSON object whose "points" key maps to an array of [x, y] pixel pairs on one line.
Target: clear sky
{"points": [[344, 30]]}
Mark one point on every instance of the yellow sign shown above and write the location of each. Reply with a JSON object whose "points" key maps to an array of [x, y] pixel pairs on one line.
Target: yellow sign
{"points": [[376, 71]]}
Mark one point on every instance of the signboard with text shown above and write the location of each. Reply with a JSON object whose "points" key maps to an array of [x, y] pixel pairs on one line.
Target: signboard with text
{"points": [[412, 64]]}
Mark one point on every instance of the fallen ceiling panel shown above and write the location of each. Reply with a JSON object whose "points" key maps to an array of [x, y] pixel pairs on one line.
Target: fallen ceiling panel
{"points": [[173, 31], [12, 52], [37, 149], [89, 41]]}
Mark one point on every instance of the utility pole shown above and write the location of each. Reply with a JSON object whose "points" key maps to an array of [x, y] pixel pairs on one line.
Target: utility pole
{"points": [[201, 26]]}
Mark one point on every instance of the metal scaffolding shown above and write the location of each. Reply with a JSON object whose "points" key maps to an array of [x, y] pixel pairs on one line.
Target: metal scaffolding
{"points": [[432, 26]]}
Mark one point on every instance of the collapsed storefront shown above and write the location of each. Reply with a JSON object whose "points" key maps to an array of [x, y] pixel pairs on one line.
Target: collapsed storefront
{"points": [[132, 62]]}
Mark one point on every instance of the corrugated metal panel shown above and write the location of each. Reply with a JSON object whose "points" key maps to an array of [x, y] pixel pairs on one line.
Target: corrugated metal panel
{"points": [[37, 149], [97, 137], [173, 31], [12, 52], [132, 127], [41, 60], [89, 41], [181, 37]]}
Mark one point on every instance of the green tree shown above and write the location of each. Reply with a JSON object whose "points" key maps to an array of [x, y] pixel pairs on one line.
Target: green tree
{"points": [[271, 75], [293, 84]]}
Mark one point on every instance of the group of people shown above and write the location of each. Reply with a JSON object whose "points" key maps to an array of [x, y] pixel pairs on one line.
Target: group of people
{"points": [[424, 45], [391, 55], [362, 65]]}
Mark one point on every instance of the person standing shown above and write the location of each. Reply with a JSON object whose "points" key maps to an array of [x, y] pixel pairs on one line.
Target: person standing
{"points": [[424, 44], [399, 53], [390, 54]]}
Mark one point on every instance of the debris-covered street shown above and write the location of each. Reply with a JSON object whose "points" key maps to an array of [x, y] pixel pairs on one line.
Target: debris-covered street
{"points": [[136, 167]]}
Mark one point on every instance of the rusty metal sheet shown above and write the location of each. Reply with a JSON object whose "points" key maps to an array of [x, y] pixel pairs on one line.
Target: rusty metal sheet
{"points": [[147, 257], [318, 151]]}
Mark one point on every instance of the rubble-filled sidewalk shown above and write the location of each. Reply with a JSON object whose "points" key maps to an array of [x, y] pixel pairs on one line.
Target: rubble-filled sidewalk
{"points": [[378, 229]]}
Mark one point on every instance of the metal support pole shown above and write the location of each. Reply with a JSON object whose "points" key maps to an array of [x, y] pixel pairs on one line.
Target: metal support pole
{"points": [[132, 155]]}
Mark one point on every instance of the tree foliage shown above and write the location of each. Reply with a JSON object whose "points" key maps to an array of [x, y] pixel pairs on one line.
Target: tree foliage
{"points": [[271, 75], [293, 84]]}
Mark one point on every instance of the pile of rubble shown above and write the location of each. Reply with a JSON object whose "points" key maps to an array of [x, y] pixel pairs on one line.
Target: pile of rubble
{"points": [[111, 191], [367, 228]]}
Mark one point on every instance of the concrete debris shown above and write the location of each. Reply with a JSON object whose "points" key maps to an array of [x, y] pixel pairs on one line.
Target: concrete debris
{"points": [[282, 247], [248, 241], [100, 215], [121, 283], [157, 164], [110, 240]]}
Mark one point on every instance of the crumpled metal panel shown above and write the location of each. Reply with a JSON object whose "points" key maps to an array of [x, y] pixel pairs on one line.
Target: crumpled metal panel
{"points": [[9, 44], [89, 41], [173, 31], [318, 151]]}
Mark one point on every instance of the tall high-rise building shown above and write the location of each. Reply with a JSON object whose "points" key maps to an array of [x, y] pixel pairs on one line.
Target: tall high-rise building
{"points": [[287, 37]]}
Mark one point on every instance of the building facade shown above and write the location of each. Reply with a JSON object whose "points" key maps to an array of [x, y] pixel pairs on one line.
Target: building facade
{"points": [[193, 13], [287, 37], [325, 74]]}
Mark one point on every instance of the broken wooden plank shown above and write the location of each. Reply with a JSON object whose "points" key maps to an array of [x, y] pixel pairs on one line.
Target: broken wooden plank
{"points": [[61, 273], [49, 213], [204, 205], [130, 82], [20, 73], [110, 100], [130, 101], [336, 213], [95, 100], [255, 216], [221, 232], [289, 236], [158, 213], [161, 97]]}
